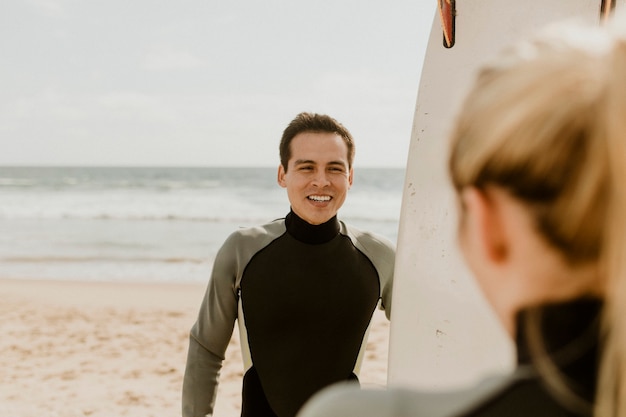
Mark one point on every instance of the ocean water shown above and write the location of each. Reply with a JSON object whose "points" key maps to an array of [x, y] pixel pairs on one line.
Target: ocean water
{"points": [[153, 224]]}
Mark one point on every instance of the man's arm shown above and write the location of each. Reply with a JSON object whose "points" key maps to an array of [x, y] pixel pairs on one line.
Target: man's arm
{"points": [[382, 253], [210, 335], [201, 380]]}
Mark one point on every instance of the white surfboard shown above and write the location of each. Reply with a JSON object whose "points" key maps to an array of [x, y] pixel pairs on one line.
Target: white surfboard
{"points": [[443, 334]]}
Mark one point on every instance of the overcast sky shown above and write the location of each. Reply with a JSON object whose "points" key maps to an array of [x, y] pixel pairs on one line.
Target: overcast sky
{"points": [[204, 82]]}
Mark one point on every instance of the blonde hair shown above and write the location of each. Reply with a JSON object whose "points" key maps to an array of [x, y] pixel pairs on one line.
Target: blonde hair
{"points": [[547, 122]]}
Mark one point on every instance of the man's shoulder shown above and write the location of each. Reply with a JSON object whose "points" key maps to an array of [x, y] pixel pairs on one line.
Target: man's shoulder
{"points": [[257, 234], [369, 240], [276, 226]]}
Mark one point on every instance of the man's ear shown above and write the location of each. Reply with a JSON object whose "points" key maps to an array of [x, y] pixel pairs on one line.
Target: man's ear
{"points": [[350, 176], [281, 176], [483, 215]]}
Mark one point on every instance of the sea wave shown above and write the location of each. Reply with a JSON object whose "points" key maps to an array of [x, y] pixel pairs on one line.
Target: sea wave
{"points": [[223, 209]]}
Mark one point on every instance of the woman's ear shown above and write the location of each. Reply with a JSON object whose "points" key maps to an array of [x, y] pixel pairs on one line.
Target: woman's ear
{"points": [[484, 224]]}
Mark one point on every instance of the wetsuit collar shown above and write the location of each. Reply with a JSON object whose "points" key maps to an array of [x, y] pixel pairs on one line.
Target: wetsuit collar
{"points": [[570, 333], [310, 233]]}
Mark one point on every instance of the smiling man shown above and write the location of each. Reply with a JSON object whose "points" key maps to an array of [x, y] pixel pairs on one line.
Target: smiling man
{"points": [[317, 174], [302, 288]]}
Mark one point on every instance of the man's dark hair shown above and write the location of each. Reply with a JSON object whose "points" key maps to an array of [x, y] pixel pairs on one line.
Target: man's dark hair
{"points": [[316, 123]]}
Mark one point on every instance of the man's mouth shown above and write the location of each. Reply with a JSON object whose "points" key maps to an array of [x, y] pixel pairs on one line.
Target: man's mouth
{"points": [[319, 198]]}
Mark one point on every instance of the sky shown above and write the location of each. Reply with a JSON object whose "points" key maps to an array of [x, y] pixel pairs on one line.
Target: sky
{"points": [[204, 82]]}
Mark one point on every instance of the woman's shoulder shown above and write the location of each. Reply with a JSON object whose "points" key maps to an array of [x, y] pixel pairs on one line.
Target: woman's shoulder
{"points": [[519, 393]]}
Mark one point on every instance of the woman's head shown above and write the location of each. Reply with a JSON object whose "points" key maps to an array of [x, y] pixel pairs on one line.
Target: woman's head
{"points": [[535, 126], [545, 127]]}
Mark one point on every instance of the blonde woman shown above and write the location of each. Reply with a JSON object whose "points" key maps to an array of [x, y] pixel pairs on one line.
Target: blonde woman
{"points": [[538, 159]]}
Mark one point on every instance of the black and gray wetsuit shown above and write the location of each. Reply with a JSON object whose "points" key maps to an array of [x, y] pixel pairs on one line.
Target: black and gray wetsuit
{"points": [[570, 334], [303, 296]]}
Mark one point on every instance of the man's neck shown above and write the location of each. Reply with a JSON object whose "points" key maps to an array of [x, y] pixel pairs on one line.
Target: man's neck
{"points": [[309, 233]]}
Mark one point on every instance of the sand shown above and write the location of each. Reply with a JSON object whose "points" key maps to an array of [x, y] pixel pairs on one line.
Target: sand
{"points": [[72, 349]]}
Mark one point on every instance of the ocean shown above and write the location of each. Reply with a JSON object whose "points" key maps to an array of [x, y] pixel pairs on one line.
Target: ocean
{"points": [[141, 224]]}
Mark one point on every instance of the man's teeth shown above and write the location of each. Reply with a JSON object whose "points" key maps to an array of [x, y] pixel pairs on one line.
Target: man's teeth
{"points": [[319, 197]]}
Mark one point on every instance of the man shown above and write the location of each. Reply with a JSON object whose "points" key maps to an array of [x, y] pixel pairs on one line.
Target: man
{"points": [[303, 289]]}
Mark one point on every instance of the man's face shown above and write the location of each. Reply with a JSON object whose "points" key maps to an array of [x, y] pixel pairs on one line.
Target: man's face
{"points": [[317, 177]]}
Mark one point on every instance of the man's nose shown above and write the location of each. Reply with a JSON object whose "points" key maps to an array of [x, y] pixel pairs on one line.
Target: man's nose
{"points": [[320, 179]]}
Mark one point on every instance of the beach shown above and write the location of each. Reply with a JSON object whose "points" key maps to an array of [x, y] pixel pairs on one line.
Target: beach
{"points": [[105, 349], [102, 271]]}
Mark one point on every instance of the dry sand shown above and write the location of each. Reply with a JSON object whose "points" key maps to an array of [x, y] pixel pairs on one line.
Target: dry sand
{"points": [[71, 349]]}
